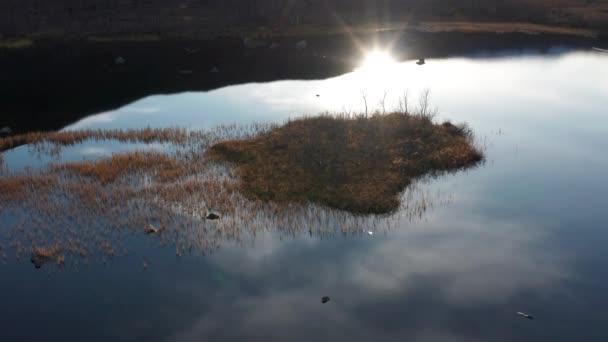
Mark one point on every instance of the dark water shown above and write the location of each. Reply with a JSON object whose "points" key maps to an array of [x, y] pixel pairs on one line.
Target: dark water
{"points": [[525, 232]]}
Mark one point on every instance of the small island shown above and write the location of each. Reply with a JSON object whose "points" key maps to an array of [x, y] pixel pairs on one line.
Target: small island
{"points": [[359, 164]]}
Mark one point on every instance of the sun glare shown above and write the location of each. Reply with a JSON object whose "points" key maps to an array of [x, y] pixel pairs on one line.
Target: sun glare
{"points": [[377, 61]]}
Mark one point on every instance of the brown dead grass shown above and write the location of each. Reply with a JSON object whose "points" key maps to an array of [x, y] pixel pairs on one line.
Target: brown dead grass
{"points": [[119, 166], [76, 212], [18, 186], [66, 138], [355, 164]]}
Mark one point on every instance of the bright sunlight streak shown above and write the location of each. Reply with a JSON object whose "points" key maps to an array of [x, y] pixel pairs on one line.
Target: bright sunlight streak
{"points": [[377, 61]]}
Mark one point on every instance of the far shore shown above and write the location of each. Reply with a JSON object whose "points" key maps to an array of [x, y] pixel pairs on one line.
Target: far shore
{"points": [[303, 31]]}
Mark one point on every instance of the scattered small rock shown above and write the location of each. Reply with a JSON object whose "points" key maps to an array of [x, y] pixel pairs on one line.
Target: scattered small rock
{"points": [[324, 299], [150, 229], [214, 70], [185, 72], [37, 261], [318, 95], [421, 61], [212, 216], [525, 315]]}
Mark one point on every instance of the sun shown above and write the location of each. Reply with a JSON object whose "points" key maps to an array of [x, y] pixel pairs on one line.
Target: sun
{"points": [[377, 61]]}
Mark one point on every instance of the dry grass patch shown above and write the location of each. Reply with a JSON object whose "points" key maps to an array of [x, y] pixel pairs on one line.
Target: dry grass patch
{"points": [[71, 213], [358, 164], [18, 186], [67, 138], [122, 165]]}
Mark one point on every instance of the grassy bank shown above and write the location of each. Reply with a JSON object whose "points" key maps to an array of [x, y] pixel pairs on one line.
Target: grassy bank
{"points": [[360, 164]]}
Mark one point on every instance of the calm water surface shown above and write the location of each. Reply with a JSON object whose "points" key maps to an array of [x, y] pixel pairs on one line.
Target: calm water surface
{"points": [[527, 231]]}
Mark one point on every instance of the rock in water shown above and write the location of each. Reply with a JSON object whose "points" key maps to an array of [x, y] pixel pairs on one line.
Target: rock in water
{"points": [[150, 229], [525, 315], [37, 261], [212, 216]]}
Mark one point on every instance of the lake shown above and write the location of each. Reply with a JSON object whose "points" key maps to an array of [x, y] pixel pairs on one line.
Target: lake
{"points": [[524, 232]]}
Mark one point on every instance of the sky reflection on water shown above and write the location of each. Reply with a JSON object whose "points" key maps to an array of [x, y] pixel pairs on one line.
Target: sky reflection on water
{"points": [[525, 232]]}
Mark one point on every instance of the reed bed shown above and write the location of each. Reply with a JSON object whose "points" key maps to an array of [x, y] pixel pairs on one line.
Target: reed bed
{"points": [[51, 143], [78, 213], [360, 164]]}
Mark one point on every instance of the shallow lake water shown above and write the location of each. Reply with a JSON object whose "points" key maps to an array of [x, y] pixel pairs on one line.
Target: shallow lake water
{"points": [[524, 232]]}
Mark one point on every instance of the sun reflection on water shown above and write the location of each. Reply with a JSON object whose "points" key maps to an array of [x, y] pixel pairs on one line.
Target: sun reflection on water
{"points": [[377, 61]]}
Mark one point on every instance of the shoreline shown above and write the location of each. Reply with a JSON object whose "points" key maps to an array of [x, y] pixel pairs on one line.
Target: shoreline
{"points": [[303, 31], [51, 84]]}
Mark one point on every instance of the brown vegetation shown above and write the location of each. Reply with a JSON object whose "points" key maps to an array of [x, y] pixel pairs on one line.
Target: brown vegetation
{"points": [[86, 210], [67, 138], [17, 186], [358, 164], [120, 166]]}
